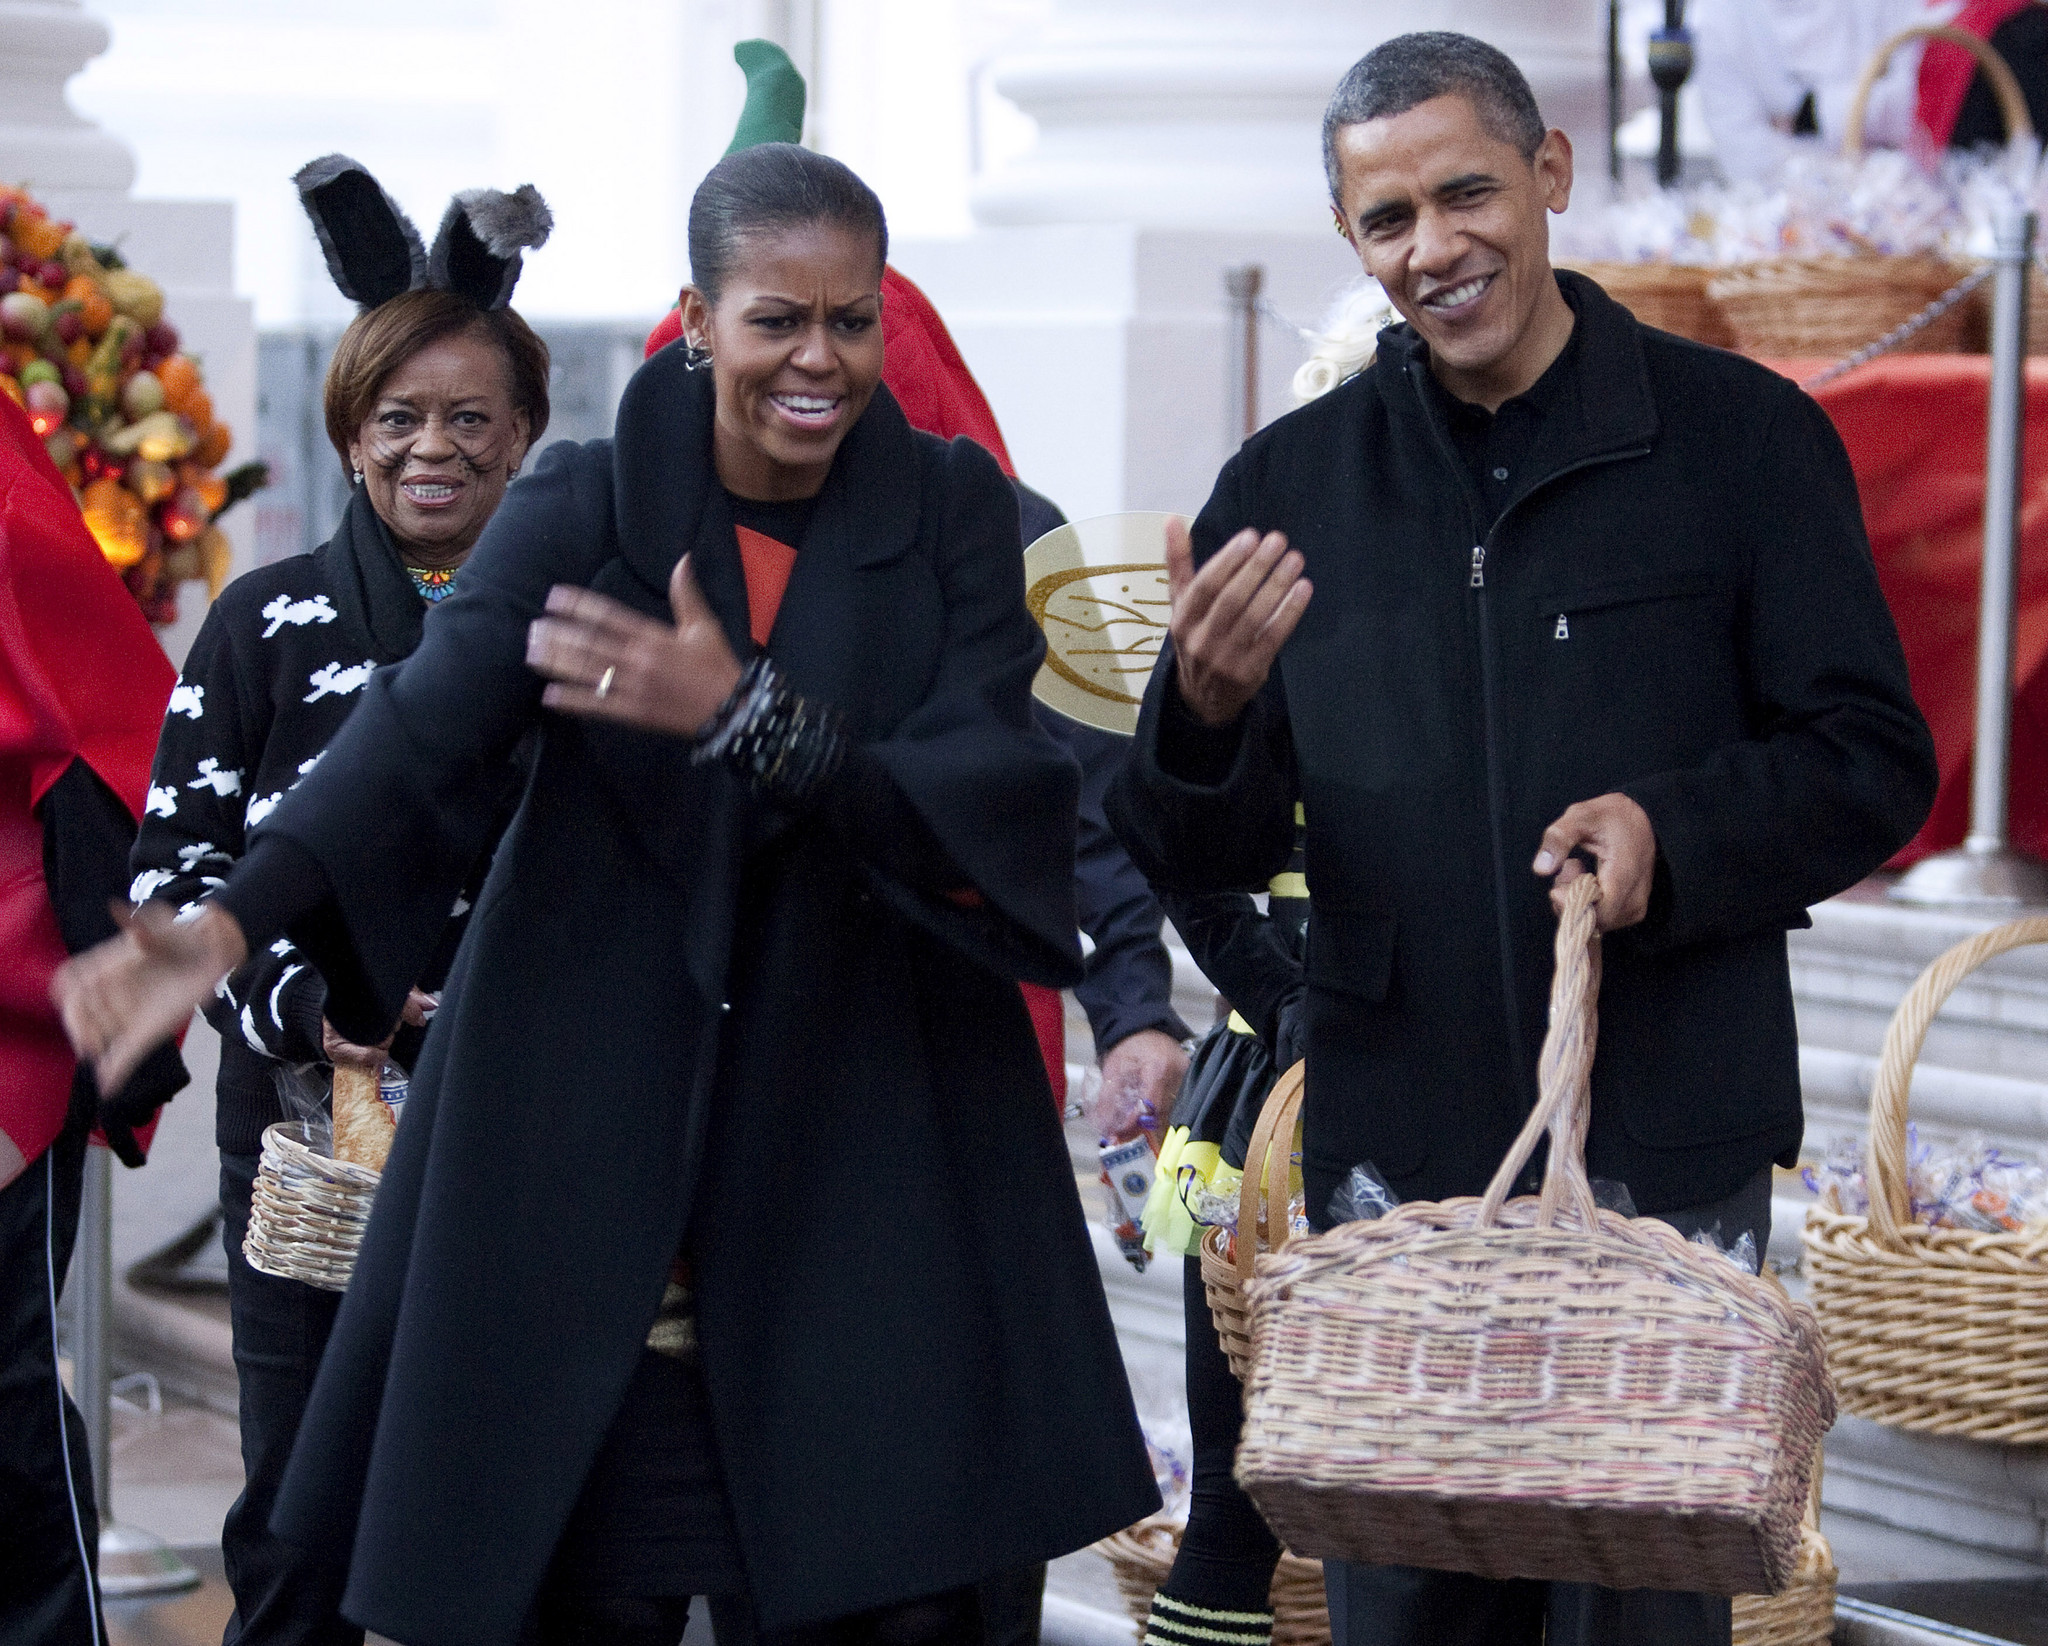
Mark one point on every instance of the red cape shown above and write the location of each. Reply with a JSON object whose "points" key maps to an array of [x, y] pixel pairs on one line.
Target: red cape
{"points": [[1946, 71], [922, 366], [81, 678]]}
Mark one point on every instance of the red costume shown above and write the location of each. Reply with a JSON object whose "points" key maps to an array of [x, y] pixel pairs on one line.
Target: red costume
{"points": [[1946, 71], [81, 678]]}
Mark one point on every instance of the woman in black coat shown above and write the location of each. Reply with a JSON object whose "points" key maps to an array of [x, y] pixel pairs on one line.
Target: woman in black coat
{"points": [[739, 988]]}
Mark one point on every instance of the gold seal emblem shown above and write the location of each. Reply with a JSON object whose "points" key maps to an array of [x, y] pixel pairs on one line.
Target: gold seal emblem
{"points": [[1098, 589]]}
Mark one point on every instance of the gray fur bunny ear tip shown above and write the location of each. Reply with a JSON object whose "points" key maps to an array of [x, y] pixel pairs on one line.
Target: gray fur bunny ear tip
{"points": [[372, 249], [477, 250], [509, 223]]}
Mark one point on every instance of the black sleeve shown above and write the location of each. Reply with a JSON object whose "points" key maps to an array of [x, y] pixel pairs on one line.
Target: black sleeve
{"points": [[1128, 986], [1840, 770], [86, 835], [1242, 952], [865, 808]]}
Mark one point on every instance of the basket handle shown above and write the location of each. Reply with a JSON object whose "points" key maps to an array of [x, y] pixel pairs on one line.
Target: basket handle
{"points": [[1564, 1073], [2005, 86], [1267, 1160], [1885, 1163]]}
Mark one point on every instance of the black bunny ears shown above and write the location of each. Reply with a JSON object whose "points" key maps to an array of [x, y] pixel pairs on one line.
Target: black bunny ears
{"points": [[374, 252]]}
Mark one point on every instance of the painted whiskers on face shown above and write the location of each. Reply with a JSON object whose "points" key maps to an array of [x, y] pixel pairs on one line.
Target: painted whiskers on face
{"points": [[440, 446]]}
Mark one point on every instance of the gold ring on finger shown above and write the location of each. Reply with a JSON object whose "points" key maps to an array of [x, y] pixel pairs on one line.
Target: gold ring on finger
{"points": [[604, 681]]}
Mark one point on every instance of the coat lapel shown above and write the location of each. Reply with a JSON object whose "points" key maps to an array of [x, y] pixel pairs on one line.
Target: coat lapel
{"points": [[834, 635]]}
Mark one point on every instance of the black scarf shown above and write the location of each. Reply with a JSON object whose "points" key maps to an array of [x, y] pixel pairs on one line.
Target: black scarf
{"points": [[373, 592]]}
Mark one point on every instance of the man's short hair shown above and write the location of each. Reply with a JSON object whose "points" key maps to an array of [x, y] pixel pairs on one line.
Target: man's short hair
{"points": [[1413, 68]]}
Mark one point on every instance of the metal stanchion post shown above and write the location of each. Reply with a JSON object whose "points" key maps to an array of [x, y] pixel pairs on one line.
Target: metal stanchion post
{"points": [[1614, 91], [132, 1561], [1242, 287], [1670, 66], [1985, 872]]}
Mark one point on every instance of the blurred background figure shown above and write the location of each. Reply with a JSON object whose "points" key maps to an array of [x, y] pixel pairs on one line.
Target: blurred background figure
{"points": [[1778, 75], [1956, 107]]}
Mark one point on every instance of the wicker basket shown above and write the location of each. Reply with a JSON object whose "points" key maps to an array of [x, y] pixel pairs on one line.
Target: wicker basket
{"points": [[1821, 308], [307, 1214], [1803, 1612], [1998, 75], [1934, 1330], [1142, 1555], [1225, 1272], [1670, 296], [1535, 1388]]}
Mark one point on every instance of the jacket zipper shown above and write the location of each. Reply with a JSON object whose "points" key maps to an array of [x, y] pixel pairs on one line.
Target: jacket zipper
{"points": [[1496, 798]]}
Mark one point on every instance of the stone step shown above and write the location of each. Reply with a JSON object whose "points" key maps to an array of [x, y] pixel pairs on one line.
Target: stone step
{"points": [[1944, 1102], [1862, 954]]}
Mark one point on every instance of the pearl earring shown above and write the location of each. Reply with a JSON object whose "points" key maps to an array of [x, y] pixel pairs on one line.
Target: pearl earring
{"points": [[358, 480]]}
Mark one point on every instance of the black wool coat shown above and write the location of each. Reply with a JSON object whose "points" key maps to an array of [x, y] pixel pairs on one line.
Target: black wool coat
{"points": [[1677, 602], [679, 1010]]}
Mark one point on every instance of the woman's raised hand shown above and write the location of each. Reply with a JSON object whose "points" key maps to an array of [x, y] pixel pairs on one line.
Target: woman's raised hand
{"points": [[125, 997], [608, 661]]}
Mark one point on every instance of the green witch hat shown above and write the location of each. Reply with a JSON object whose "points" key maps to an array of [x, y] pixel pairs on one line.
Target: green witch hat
{"points": [[775, 96]]}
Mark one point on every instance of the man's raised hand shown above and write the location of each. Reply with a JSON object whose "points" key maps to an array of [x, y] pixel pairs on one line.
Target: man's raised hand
{"points": [[1231, 618]]}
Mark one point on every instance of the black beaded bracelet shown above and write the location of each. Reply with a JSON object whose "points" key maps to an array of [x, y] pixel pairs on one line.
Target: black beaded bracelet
{"points": [[784, 746]]}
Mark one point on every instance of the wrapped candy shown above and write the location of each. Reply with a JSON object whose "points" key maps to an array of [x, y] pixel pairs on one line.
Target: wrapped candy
{"points": [[1975, 1185]]}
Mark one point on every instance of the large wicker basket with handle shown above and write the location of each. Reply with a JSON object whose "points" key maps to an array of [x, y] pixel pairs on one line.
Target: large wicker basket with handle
{"points": [[1261, 1214], [1535, 1388], [1935, 1330]]}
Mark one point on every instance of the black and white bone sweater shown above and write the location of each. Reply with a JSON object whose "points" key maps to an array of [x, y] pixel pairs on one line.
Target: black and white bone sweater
{"points": [[277, 667]]}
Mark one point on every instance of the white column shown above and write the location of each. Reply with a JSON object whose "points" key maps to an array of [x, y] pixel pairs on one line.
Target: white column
{"points": [[43, 43], [1207, 113]]}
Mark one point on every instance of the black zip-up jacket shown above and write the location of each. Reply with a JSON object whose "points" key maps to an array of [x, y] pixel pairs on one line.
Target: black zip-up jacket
{"points": [[1676, 601]]}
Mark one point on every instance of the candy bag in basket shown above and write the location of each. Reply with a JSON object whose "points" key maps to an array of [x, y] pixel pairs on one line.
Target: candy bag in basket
{"points": [[1535, 1388]]}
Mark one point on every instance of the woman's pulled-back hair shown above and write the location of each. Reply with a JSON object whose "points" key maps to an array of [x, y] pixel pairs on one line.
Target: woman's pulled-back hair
{"points": [[380, 340], [768, 187]]}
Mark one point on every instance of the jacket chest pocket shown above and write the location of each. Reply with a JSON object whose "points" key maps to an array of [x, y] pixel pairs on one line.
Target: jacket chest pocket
{"points": [[1620, 600], [1629, 617], [1642, 668]]}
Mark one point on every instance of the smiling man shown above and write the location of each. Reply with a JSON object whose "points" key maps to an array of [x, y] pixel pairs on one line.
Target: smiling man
{"points": [[1540, 584]]}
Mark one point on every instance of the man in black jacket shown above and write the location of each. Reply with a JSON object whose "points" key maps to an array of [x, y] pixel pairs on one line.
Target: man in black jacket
{"points": [[1580, 587]]}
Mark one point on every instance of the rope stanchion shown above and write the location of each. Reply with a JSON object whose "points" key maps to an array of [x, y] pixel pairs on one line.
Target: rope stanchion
{"points": [[1901, 333]]}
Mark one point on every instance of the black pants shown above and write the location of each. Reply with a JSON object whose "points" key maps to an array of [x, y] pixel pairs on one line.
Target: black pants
{"points": [[1227, 1554], [1407, 1606], [949, 1619], [283, 1595], [49, 1524]]}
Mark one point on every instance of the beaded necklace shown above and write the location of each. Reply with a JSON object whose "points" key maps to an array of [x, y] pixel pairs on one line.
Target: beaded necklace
{"points": [[435, 583]]}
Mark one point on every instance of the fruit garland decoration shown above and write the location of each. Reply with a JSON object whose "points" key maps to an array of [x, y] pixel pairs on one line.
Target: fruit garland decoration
{"points": [[86, 352]]}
